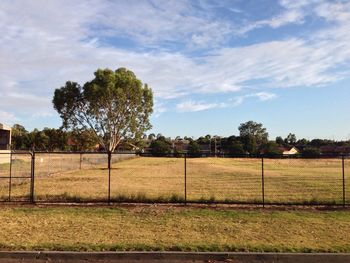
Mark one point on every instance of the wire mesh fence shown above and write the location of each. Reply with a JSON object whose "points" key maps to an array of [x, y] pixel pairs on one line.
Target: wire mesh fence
{"points": [[143, 179], [15, 176], [347, 180], [85, 177], [73, 176], [304, 181], [229, 180]]}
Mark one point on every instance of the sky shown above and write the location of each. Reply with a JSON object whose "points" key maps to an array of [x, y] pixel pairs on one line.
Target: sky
{"points": [[211, 64]]}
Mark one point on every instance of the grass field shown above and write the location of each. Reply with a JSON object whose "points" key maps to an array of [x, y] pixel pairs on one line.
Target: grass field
{"points": [[173, 228], [162, 179]]}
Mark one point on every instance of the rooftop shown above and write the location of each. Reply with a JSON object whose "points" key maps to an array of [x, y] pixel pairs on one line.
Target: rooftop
{"points": [[5, 127]]}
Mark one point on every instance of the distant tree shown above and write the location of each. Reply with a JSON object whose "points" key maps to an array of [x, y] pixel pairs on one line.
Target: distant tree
{"points": [[271, 149], [249, 144], [84, 140], [235, 148], [39, 140], [255, 130], [19, 137], [311, 152], [302, 142], [291, 139], [279, 140], [194, 149], [151, 137], [232, 145], [253, 135], [203, 140], [320, 142], [160, 147]]}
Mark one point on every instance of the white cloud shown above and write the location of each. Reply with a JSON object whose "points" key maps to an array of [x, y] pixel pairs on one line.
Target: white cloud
{"points": [[334, 11], [292, 4], [192, 106], [158, 22], [158, 108], [288, 17], [237, 101], [7, 118], [262, 96], [45, 44], [42, 115]]}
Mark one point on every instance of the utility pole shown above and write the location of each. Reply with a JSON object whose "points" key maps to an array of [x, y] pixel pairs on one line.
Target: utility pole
{"points": [[210, 147], [215, 146]]}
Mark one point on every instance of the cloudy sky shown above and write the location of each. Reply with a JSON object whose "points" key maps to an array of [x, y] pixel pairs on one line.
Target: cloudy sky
{"points": [[211, 64]]}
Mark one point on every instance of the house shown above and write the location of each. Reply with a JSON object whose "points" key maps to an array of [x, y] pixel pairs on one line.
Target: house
{"points": [[290, 151], [180, 145], [5, 143]]}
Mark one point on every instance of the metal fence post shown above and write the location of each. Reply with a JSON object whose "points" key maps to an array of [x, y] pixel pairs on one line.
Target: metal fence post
{"points": [[343, 171], [109, 176], [185, 178], [81, 160], [10, 179], [262, 181], [32, 177]]}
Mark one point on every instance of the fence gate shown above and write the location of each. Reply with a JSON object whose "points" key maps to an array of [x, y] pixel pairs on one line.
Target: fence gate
{"points": [[16, 177]]}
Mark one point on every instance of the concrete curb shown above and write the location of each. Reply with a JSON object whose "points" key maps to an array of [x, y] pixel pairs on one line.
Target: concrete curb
{"points": [[160, 257]]}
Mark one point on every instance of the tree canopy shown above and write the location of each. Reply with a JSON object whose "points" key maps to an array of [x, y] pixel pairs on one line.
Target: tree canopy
{"points": [[115, 105], [253, 135], [160, 147]]}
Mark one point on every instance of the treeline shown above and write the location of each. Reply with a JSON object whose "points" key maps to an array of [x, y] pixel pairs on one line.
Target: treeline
{"points": [[253, 139], [50, 139]]}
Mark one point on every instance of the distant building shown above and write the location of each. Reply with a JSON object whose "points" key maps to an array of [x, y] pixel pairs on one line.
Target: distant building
{"points": [[180, 145], [290, 151], [5, 143]]}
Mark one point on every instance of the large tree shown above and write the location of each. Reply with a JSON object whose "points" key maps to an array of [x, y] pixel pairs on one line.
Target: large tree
{"points": [[291, 139], [253, 135], [115, 105]]}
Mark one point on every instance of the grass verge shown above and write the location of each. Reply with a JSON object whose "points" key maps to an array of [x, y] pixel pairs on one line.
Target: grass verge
{"points": [[164, 228]]}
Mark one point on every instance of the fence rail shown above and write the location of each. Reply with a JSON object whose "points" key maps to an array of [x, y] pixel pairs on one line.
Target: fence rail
{"points": [[85, 177]]}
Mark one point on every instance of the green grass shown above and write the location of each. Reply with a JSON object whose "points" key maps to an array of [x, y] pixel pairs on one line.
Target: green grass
{"points": [[173, 228]]}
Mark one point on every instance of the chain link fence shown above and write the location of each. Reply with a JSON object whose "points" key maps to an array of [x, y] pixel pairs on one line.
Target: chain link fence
{"points": [[304, 181], [347, 180], [85, 177], [228, 180], [15, 176]]}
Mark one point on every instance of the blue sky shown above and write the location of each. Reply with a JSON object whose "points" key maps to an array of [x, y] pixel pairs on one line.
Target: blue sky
{"points": [[211, 64]]}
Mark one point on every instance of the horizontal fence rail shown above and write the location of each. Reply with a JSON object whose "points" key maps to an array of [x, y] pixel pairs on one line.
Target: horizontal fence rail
{"points": [[74, 177]]}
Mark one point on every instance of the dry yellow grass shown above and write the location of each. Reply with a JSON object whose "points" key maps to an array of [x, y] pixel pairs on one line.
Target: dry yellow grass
{"points": [[215, 179]]}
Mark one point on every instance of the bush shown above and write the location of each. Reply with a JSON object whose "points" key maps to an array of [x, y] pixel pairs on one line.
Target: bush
{"points": [[194, 149], [160, 147], [236, 149], [311, 152]]}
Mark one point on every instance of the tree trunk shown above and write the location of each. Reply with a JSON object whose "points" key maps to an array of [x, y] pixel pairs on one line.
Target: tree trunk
{"points": [[109, 175]]}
